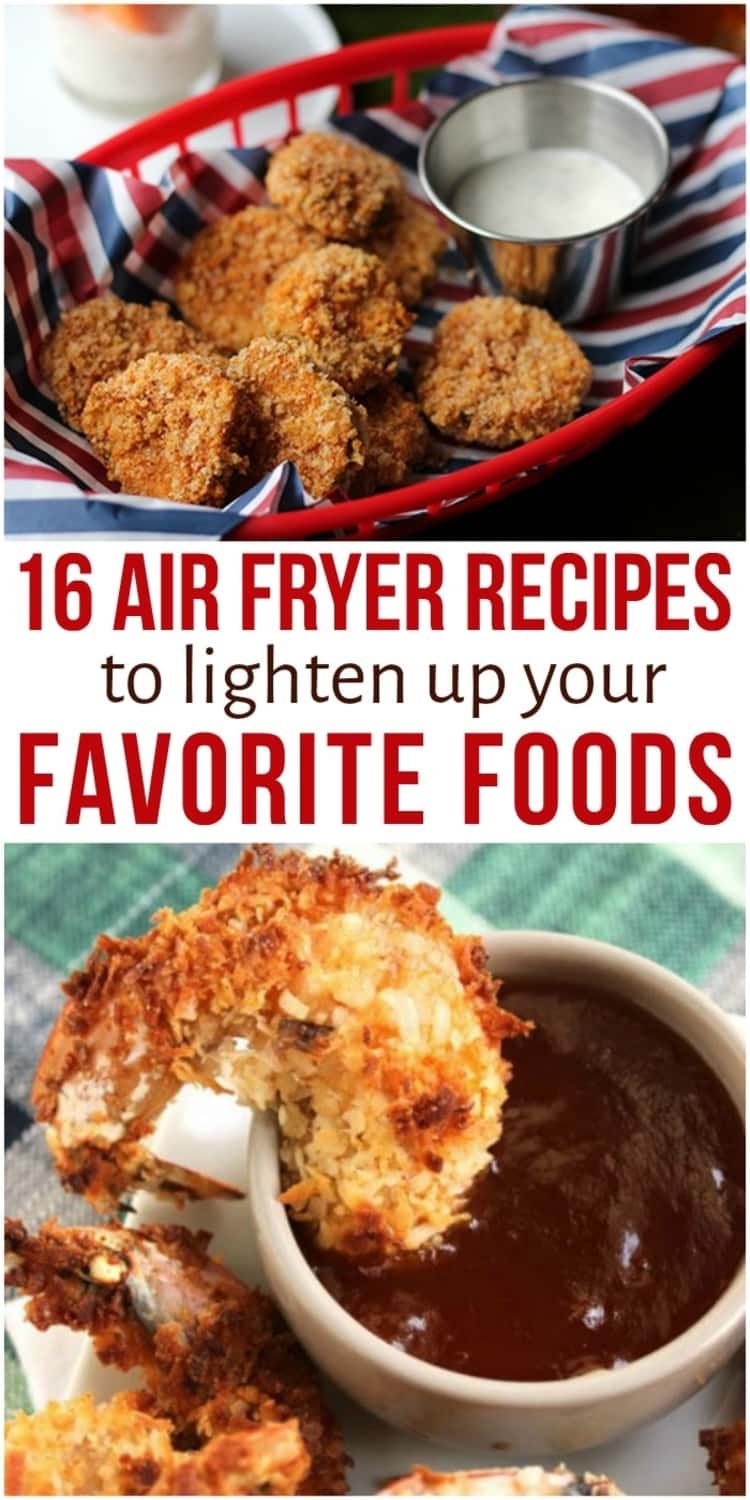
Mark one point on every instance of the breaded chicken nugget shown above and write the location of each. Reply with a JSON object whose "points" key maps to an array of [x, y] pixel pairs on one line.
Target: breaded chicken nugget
{"points": [[500, 373], [525, 271], [410, 248], [299, 414], [221, 282], [171, 426], [341, 307], [397, 440], [100, 337], [337, 186]]}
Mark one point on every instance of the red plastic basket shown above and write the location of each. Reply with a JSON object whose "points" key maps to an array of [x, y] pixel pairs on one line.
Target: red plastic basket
{"points": [[395, 58]]}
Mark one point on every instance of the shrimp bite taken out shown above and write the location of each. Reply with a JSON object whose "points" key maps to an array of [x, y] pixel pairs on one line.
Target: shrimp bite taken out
{"points": [[500, 373], [221, 281], [170, 426], [527, 1481], [397, 439], [370, 1028], [337, 186], [230, 1404], [411, 248], [298, 413], [341, 308], [100, 337]]}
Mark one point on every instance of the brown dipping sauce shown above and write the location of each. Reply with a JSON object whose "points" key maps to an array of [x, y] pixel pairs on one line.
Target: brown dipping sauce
{"points": [[610, 1220]]}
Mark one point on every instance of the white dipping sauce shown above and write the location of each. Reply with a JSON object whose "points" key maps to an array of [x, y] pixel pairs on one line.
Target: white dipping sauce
{"points": [[546, 194]]}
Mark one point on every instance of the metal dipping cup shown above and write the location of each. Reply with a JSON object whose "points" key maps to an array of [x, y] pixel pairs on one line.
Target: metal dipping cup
{"points": [[576, 277]]}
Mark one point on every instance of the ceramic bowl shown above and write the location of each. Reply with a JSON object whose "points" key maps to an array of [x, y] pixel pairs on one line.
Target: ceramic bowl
{"points": [[516, 1417]]}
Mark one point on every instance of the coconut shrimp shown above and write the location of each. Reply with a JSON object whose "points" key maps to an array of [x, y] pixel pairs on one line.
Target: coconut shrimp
{"points": [[229, 1398], [527, 1481], [329, 993], [119, 1448]]}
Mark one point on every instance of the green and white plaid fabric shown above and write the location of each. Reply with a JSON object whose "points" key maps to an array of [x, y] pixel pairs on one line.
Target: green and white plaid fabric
{"points": [[680, 905]]}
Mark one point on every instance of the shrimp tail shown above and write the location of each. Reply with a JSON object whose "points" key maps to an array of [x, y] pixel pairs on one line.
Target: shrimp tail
{"points": [[215, 1354]]}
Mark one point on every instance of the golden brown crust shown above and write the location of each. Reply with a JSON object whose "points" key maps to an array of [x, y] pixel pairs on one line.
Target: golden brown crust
{"points": [[726, 1457], [337, 186], [397, 440], [525, 271], [221, 281], [500, 373], [78, 1448], [383, 1126], [121, 1447], [170, 426], [342, 309], [526, 1481], [101, 337], [216, 1355], [299, 414], [411, 248]]}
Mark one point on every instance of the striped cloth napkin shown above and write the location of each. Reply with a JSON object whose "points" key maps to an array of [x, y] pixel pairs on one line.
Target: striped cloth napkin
{"points": [[680, 905], [73, 229]]}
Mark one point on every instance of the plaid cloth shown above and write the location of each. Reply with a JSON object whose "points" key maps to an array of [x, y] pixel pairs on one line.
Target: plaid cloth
{"points": [[680, 905]]}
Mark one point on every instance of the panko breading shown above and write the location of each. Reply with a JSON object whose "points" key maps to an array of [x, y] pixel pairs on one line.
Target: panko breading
{"points": [[500, 373], [397, 440], [119, 1448], [298, 413], [527, 1481], [342, 309], [411, 248], [726, 1457], [221, 282], [342, 189], [223, 1376], [525, 271], [371, 1028], [170, 426], [101, 337], [79, 1448]]}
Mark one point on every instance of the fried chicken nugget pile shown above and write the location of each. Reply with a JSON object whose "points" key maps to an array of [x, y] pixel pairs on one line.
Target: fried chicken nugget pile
{"points": [[340, 306], [371, 1029], [311, 294], [221, 282], [297, 413], [230, 1403], [172, 426], [499, 373], [337, 186], [100, 337]]}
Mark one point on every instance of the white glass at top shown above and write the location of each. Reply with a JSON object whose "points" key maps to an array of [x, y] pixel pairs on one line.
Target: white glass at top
{"points": [[131, 56]]}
